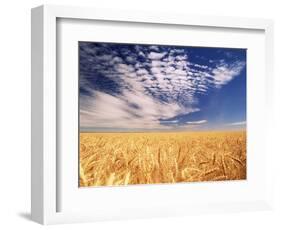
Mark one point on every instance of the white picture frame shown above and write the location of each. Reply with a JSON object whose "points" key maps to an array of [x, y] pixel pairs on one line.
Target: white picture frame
{"points": [[45, 195]]}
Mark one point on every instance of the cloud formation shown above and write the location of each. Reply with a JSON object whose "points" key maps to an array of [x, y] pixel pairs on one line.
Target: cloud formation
{"points": [[240, 123], [141, 86], [196, 122]]}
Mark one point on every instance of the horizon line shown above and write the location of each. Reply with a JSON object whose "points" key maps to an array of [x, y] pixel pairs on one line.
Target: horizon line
{"points": [[165, 131]]}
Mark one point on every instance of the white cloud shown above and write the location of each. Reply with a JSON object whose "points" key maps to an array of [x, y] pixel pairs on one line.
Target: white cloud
{"points": [[142, 71], [130, 59], [196, 122], [225, 73], [124, 68], [156, 56], [157, 63], [198, 66], [240, 123], [170, 122], [129, 110], [154, 48], [155, 70]]}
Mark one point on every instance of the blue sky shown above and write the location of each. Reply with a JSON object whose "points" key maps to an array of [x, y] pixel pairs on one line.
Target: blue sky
{"points": [[155, 87]]}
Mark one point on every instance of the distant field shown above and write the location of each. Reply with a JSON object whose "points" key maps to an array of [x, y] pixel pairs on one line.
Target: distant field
{"points": [[149, 158]]}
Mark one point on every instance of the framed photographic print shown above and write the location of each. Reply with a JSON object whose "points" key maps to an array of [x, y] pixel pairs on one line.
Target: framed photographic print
{"points": [[138, 114], [154, 114]]}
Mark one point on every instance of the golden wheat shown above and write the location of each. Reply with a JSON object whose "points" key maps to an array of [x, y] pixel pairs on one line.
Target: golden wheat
{"points": [[149, 158]]}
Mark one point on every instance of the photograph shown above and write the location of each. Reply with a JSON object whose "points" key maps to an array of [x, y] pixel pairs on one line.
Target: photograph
{"points": [[155, 114]]}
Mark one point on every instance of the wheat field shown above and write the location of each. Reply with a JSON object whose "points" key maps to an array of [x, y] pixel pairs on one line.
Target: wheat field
{"points": [[108, 159]]}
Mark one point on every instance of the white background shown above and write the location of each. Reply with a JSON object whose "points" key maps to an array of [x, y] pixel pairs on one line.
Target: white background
{"points": [[15, 113]]}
